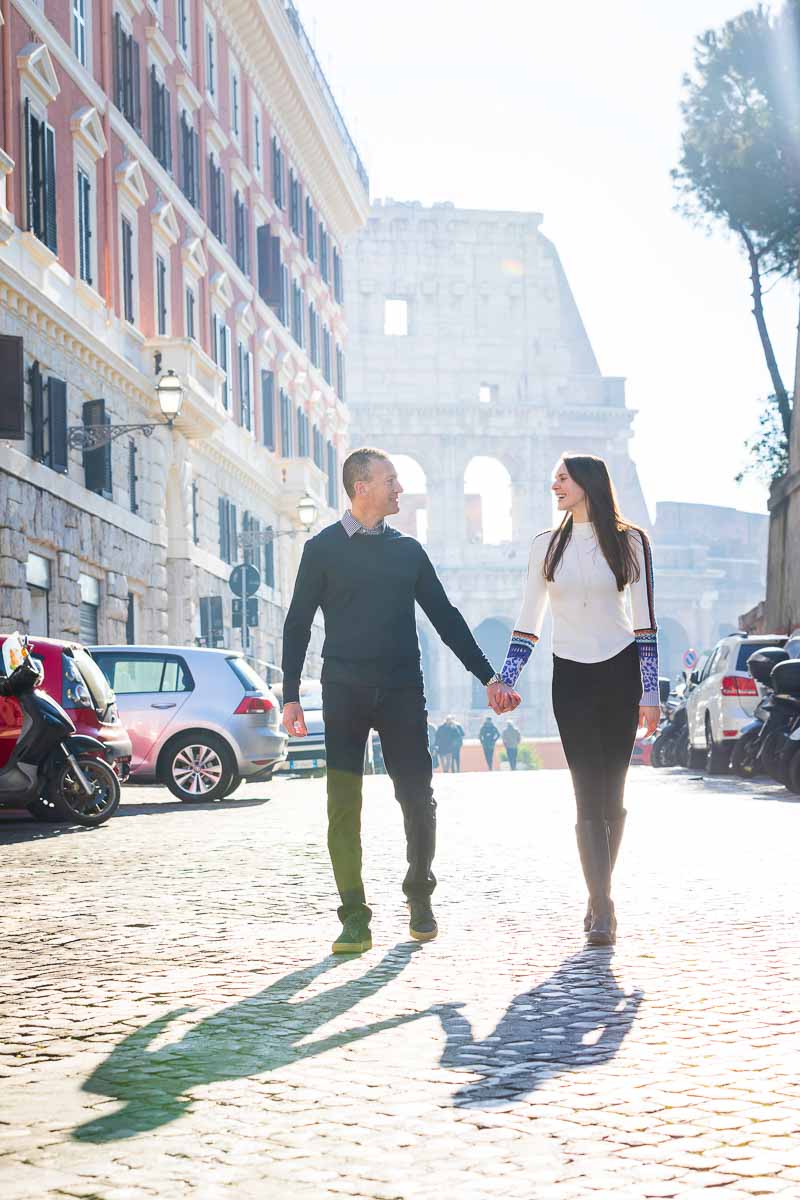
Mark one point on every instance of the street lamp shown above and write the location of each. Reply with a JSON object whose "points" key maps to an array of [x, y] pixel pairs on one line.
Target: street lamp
{"points": [[307, 511], [169, 390]]}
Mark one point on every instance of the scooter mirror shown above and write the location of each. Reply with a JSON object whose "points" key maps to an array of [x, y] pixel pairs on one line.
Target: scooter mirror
{"points": [[14, 653]]}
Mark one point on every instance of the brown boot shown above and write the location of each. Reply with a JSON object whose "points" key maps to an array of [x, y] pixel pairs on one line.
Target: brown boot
{"points": [[593, 847], [615, 831]]}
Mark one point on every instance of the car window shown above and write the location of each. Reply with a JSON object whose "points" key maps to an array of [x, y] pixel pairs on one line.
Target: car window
{"points": [[709, 667], [247, 676], [89, 673], [130, 674], [752, 648]]}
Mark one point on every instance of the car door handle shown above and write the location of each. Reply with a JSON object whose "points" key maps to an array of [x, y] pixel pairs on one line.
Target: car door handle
{"points": [[173, 705]]}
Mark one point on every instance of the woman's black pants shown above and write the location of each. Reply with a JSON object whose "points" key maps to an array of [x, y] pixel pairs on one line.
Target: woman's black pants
{"points": [[596, 706]]}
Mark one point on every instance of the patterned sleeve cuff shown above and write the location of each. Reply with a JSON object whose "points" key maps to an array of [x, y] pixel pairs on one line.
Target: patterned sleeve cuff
{"points": [[520, 649], [647, 646]]}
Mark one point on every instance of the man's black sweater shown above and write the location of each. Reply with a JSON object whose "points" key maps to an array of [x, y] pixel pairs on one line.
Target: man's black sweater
{"points": [[366, 587]]}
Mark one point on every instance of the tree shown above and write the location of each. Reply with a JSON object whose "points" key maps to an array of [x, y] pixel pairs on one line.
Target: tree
{"points": [[740, 151]]}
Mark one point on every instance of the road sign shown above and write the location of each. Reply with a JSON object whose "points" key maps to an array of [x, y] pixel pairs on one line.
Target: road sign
{"points": [[245, 580], [252, 612], [690, 660]]}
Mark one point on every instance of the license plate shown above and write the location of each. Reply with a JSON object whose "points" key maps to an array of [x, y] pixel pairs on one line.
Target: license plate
{"points": [[297, 764]]}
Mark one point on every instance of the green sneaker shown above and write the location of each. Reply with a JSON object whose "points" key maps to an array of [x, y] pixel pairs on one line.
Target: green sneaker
{"points": [[422, 924], [355, 937]]}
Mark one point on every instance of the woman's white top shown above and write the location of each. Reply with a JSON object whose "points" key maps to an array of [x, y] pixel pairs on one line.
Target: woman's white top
{"points": [[592, 619]]}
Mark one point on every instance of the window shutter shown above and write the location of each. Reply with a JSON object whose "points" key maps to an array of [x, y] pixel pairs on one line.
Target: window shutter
{"points": [[29, 152], [155, 114], [12, 389], [37, 412], [136, 96], [57, 415], [223, 529], [50, 227], [263, 260], [269, 561], [97, 463], [223, 223], [167, 128], [275, 294], [268, 409], [118, 88], [232, 534], [195, 136]]}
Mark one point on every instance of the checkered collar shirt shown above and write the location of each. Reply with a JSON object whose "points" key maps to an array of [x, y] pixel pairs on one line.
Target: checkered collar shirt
{"points": [[353, 526]]}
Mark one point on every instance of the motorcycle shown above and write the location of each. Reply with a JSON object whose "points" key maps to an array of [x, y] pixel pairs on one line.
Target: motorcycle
{"points": [[55, 773], [754, 751], [671, 745]]}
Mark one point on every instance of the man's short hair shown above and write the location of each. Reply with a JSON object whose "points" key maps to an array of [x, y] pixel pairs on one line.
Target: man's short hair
{"points": [[358, 466]]}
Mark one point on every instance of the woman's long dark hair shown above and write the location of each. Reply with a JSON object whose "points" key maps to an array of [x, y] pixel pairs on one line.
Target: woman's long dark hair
{"points": [[602, 509]]}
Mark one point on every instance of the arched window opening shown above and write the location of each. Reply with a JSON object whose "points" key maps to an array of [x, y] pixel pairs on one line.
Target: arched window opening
{"points": [[487, 502]]}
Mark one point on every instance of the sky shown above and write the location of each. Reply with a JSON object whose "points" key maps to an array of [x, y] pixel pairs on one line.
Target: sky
{"points": [[570, 108]]}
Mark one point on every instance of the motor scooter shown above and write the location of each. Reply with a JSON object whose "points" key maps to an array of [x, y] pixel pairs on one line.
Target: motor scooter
{"points": [[754, 750], [56, 774]]}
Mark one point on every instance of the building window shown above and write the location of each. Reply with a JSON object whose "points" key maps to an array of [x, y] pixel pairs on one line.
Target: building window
{"points": [[333, 479], [195, 512], [183, 26], [89, 610], [286, 425], [278, 187], [221, 345], [49, 420], [216, 199], [338, 283], [326, 354], [310, 242], [37, 574], [257, 149], [298, 312], [235, 102], [228, 530], [241, 233], [133, 478], [269, 561], [319, 449], [97, 463], [268, 409], [127, 82], [127, 270], [190, 161], [40, 175], [340, 372], [161, 296], [295, 204], [160, 121], [486, 393], [211, 61], [245, 388], [130, 622], [323, 253], [191, 304], [84, 226], [303, 448], [270, 270], [395, 318], [79, 30], [313, 335]]}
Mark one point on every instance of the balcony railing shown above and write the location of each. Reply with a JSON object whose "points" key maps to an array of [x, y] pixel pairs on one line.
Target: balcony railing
{"points": [[319, 75]]}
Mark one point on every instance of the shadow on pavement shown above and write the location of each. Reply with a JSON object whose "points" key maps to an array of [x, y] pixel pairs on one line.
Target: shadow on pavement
{"points": [[18, 826], [260, 1034], [577, 1018]]}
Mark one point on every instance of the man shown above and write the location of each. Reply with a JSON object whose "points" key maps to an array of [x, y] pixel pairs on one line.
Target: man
{"points": [[511, 740], [446, 736], [366, 577], [488, 735], [458, 742]]}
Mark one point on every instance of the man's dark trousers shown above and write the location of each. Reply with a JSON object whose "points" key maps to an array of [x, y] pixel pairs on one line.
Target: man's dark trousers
{"points": [[350, 711]]}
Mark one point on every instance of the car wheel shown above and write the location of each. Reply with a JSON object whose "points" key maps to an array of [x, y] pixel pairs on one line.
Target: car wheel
{"points": [[717, 756], [197, 768], [684, 751], [233, 785], [793, 773], [71, 804], [697, 759], [743, 754]]}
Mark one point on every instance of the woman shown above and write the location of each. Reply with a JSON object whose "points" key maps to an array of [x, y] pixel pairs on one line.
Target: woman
{"points": [[605, 659]]}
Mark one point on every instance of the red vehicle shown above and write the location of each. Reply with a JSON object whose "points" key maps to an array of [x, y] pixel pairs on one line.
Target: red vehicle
{"points": [[74, 680]]}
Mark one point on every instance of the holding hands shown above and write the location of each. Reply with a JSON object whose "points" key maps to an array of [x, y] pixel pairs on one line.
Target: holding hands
{"points": [[502, 698]]}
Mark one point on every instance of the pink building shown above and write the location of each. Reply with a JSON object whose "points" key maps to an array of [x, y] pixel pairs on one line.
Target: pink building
{"points": [[178, 183]]}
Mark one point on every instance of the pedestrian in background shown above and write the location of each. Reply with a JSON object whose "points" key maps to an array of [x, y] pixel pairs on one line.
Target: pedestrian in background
{"points": [[432, 745], [367, 577], [511, 740], [458, 742], [596, 572], [488, 735], [445, 743]]}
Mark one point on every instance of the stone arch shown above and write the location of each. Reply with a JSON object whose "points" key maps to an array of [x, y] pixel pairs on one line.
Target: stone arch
{"points": [[488, 501], [492, 636], [673, 641], [413, 516]]}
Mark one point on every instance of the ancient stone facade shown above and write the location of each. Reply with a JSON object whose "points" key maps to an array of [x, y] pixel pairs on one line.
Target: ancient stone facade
{"points": [[466, 341], [175, 186]]}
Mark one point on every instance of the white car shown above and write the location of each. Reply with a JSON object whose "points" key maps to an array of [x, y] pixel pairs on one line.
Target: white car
{"points": [[306, 755], [724, 698]]}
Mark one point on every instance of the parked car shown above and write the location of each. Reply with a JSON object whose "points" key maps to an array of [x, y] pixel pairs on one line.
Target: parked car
{"points": [[306, 755], [73, 678], [201, 721], [724, 698]]}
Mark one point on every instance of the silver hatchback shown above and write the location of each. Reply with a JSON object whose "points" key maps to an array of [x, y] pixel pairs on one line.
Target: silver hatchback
{"points": [[200, 721]]}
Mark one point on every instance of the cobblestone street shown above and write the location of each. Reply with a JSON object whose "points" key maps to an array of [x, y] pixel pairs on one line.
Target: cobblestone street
{"points": [[173, 1025]]}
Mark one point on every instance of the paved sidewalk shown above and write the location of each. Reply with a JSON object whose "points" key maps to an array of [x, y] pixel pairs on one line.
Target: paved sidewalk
{"points": [[171, 1024]]}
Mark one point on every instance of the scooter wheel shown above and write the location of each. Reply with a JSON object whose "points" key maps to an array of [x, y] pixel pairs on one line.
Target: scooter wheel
{"points": [[70, 802], [793, 773]]}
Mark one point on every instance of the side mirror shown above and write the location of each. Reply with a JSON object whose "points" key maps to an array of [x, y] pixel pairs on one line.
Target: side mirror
{"points": [[664, 690], [694, 677]]}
